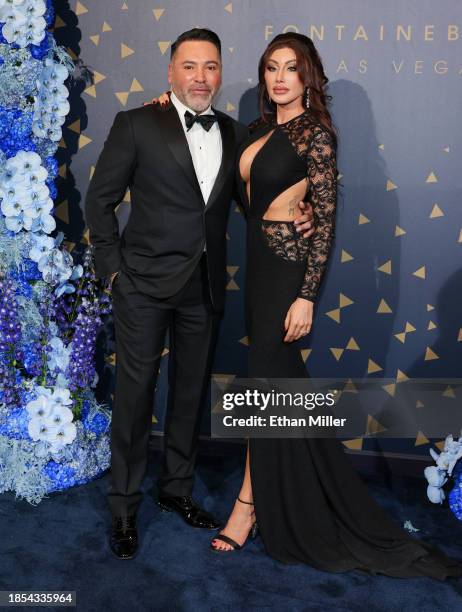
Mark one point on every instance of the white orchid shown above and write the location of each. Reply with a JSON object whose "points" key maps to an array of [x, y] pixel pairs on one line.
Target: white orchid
{"points": [[51, 104], [13, 195], [36, 176], [10, 174], [51, 120], [38, 128], [435, 494], [55, 72], [38, 429], [38, 202], [25, 196], [30, 210], [59, 356], [61, 397], [34, 8], [45, 223], [14, 25], [25, 161], [61, 436], [59, 107], [41, 246], [451, 453], [13, 15], [41, 130], [39, 193], [24, 21], [51, 418], [32, 33], [61, 415], [44, 207], [18, 223], [43, 391], [12, 203], [437, 475], [39, 408], [10, 4]]}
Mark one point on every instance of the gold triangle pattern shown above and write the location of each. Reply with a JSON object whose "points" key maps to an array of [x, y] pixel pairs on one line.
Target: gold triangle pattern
{"points": [[158, 13], [80, 9], [164, 45]]}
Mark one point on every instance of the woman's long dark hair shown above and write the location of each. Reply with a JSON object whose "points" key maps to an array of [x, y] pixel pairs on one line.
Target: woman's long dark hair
{"points": [[311, 73]]}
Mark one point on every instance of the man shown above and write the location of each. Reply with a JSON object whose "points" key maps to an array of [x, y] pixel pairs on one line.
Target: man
{"points": [[168, 272]]}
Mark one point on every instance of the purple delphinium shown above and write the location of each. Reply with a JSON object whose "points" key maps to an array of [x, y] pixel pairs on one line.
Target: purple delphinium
{"points": [[89, 304], [11, 354], [47, 311], [32, 359]]}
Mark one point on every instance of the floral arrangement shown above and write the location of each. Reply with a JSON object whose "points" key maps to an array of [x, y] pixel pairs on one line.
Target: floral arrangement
{"points": [[53, 433], [447, 464]]}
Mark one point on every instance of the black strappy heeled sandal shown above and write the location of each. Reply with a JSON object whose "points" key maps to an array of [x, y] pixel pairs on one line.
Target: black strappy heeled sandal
{"points": [[235, 546]]}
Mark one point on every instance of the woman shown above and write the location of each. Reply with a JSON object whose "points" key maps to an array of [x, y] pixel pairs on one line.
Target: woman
{"points": [[310, 504]]}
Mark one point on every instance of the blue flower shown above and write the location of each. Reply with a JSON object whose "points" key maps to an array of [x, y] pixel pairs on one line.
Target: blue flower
{"points": [[15, 426], [50, 14], [98, 424], [61, 476]]}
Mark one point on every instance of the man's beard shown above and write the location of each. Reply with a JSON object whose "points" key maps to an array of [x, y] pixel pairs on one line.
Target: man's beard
{"points": [[198, 103]]}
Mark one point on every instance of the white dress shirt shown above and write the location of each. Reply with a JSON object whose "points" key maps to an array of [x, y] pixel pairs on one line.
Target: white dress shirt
{"points": [[205, 147]]}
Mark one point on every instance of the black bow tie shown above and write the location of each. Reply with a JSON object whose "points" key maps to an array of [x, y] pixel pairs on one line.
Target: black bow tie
{"points": [[206, 121]]}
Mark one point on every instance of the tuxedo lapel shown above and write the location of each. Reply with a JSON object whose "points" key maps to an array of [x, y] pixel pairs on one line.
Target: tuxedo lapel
{"points": [[228, 141], [173, 134]]}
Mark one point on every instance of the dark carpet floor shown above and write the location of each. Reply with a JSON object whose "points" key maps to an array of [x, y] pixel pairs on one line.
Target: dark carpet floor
{"points": [[61, 545]]}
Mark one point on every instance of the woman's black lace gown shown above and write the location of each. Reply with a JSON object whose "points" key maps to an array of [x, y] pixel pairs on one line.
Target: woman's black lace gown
{"points": [[310, 504]]}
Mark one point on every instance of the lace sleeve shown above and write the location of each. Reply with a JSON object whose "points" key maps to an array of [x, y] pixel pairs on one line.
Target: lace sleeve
{"points": [[322, 175]]}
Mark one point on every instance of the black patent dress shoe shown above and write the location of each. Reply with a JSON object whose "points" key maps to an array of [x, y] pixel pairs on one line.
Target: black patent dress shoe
{"points": [[189, 511], [124, 537]]}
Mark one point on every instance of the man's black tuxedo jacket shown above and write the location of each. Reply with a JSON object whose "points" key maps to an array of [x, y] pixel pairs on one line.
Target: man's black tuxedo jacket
{"points": [[169, 224]]}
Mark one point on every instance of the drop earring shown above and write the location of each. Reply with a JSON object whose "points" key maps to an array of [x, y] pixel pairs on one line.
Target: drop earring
{"points": [[307, 97]]}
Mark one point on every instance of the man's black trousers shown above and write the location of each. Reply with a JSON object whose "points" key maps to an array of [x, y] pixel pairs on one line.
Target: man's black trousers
{"points": [[141, 323]]}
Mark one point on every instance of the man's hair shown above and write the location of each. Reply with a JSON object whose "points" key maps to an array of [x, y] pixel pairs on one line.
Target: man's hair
{"points": [[196, 34]]}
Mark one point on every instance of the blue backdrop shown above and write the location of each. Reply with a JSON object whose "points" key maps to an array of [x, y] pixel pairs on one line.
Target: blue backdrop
{"points": [[390, 303]]}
